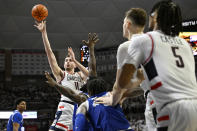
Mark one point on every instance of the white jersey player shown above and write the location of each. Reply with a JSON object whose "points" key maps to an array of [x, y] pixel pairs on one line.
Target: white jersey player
{"points": [[170, 67], [64, 114], [134, 23], [150, 106], [121, 54]]}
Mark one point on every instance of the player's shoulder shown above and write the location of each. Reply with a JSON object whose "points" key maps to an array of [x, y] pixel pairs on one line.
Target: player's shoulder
{"points": [[17, 114], [142, 38], [124, 46], [141, 41]]}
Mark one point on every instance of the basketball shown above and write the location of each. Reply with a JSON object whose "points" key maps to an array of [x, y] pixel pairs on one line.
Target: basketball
{"points": [[39, 12]]}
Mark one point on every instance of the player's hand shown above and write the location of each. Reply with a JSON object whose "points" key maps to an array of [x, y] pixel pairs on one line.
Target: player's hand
{"points": [[92, 40], [140, 75], [71, 53], [106, 100], [41, 26], [50, 80]]}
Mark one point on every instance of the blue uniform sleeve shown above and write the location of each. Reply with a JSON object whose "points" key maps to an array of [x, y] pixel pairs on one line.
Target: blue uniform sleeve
{"points": [[17, 118], [81, 123]]}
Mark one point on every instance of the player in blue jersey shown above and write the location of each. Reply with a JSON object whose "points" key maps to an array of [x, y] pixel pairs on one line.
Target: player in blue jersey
{"points": [[95, 115], [102, 117], [15, 122]]}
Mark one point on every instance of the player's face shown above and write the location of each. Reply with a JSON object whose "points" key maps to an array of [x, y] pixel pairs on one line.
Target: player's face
{"points": [[22, 106], [126, 27], [69, 64]]}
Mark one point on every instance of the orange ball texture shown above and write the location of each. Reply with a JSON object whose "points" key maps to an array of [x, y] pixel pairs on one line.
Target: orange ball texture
{"points": [[39, 12]]}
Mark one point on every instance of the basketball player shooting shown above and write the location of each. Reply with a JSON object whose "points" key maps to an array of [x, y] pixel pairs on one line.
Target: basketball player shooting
{"points": [[67, 77]]}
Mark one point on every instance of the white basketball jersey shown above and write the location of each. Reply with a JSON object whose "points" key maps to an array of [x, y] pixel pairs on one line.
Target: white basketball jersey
{"points": [[169, 64], [73, 81], [122, 51]]}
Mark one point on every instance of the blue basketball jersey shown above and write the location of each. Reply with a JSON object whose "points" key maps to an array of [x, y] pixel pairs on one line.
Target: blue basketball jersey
{"points": [[74, 115], [106, 118], [16, 117], [88, 124]]}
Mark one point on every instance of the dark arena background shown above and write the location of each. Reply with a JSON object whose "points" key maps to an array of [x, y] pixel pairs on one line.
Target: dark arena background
{"points": [[23, 59]]}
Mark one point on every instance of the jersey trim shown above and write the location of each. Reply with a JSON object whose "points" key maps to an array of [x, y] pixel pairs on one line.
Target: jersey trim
{"points": [[146, 93], [69, 102], [61, 107], [62, 125], [62, 78], [150, 69], [157, 85], [152, 102], [151, 50], [154, 111], [163, 118]]}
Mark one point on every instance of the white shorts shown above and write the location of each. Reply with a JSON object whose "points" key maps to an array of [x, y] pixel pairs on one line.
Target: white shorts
{"points": [[180, 115], [63, 117], [149, 116], [150, 122]]}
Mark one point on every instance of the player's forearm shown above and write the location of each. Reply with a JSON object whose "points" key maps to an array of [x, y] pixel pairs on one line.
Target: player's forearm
{"points": [[81, 68], [69, 93], [117, 95], [15, 126], [92, 62], [132, 89], [50, 55], [64, 90]]}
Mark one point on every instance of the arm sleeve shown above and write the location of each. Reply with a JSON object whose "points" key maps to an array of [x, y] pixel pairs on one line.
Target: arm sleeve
{"points": [[17, 118]]}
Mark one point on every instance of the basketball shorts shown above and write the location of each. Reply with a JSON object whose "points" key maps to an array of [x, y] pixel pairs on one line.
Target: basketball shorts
{"points": [[150, 122], [180, 115], [150, 114], [63, 117]]}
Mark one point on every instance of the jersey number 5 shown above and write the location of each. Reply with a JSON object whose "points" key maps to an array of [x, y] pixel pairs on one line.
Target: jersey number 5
{"points": [[179, 62]]}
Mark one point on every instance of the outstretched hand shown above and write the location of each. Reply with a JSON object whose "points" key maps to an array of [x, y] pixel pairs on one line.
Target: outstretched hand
{"points": [[50, 80], [106, 100], [41, 26], [92, 40], [71, 53]]}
